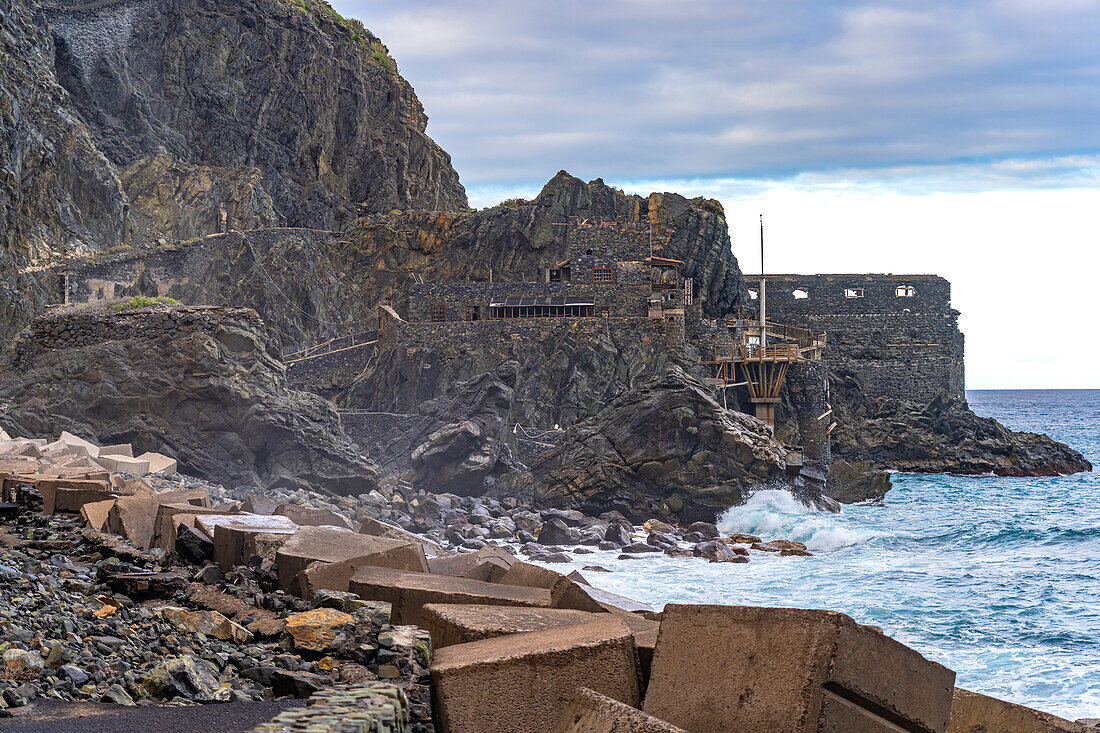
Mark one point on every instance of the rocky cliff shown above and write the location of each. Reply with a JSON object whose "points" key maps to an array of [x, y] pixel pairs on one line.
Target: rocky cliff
{"points": [[204, 386], [309, 98], [58, 193]]}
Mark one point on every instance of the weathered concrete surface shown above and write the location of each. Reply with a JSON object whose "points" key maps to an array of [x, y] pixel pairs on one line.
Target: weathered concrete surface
{"points": [[408, 593], [490, 564], [531, 575], [309, 517], [975, 713], [406, 557], [758, 670], [591, 712], [325, 544], [231, 533], [461, 623], [523, 683], [378, 528]]}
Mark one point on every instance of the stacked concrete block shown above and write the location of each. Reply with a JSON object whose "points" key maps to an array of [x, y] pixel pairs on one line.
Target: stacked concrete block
{"points": [[591, 712], [770, 669], [461, 623], [408, 593], [329, 545], [232, 533], [974, 713], [523, 683]]}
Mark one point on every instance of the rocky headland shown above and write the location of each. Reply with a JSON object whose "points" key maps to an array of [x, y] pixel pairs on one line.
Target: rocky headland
{"points": [[285, 414]]}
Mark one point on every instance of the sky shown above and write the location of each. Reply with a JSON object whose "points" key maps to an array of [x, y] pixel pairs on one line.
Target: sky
{"points": [[957, 138]]}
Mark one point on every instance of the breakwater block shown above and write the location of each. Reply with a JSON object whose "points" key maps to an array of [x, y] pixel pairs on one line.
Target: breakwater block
{"points": [[770, 669], [591, 712], [234, 534], [523, 683], [408, 593], [461, 623], [974, 713], [327, 544], [530, 575], [407, 557], [490, 564], [67, 496]]}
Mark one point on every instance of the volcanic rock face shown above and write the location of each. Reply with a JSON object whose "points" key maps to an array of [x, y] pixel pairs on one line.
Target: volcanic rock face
{"points": [[312, 100], [183, 201], [944, 436], [203, 386], [57, 192], [666, 447]]}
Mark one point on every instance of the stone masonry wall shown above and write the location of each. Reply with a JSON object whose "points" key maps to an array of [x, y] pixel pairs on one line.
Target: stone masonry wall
{"points": [[901, 346]]}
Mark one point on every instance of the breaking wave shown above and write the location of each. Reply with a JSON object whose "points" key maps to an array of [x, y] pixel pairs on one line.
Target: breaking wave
{"points": [[777, 514]]}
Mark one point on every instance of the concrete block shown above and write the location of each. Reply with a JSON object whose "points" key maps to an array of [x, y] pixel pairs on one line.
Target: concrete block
{"points": [[134, 517], [122, 464], [490, 564], [974, 713], [66, 496], [256, 504], [378, 528], [230, 533], [159, 463], [532, 576], [121, 449], [95, 513], [523, 683], [305, 516], [89, 448], [4, 434], [408, 593], [326, 544], [406, 557], [164, 527], [568, 593], [768, 669], [461, 623], [591, 712], [21, 448]]}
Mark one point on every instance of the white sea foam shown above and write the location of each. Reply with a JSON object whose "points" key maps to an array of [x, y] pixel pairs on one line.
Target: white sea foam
{"points": [[777, 514]]}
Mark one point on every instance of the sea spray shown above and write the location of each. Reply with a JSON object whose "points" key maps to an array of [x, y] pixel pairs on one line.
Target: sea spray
{"points": [[777, 514]]}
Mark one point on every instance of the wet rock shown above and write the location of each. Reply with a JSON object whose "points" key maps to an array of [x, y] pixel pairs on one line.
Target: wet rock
{"points": [[718, 551], [707, 529], [662, 541], [187, 677], [556, 532], [639, 548], [851, 483]]}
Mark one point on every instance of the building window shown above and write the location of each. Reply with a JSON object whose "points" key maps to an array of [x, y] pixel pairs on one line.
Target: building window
{"points": [[801, 294], [437, 313], [753, 295], [853, 292], [905, 291], [471, 313], [602, 275]]}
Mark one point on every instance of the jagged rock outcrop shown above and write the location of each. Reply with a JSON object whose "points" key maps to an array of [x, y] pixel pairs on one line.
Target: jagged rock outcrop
{"points": [[174, 200], [459, 455], [665, 448], [58, 194], [204, 386], [944, 436], [852, 483], [311, 99]]}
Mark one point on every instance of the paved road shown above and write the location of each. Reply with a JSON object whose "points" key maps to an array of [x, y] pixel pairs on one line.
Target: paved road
{"points": [[69, 717]]}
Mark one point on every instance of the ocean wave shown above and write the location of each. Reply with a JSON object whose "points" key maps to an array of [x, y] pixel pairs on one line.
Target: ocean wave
{"points": [[777, 514]]}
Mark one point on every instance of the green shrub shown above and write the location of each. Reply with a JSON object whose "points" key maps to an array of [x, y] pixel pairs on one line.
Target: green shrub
{"points": [[138, 302]]}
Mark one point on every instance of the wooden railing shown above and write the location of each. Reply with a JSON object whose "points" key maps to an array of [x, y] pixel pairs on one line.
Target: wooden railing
{"points": [[340, 343]]}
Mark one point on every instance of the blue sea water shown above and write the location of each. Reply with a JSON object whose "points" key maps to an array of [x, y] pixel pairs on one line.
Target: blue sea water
{"points": [[997, 578]]}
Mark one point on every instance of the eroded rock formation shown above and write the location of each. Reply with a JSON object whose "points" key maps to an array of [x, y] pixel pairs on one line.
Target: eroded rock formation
{"points": [[665, 448], [311, 99], [203, 386]]}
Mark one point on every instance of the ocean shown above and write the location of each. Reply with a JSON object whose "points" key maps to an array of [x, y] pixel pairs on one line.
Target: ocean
{"points": [[997, 578]]}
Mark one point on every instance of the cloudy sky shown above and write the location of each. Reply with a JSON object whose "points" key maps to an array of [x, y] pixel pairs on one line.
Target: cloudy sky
{"points": [[960, 138]]}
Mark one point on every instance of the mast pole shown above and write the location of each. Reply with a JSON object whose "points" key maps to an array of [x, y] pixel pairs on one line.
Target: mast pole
{"points": [[763, 294]]}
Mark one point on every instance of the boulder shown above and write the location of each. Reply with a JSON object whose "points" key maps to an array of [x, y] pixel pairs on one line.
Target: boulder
{"points": [[556, 532], [719, 551], [523, 683], [591, 712], [315, 630], [325, 544], [853, 482], [408, 593], [975, 713], [210, 623], [188, 677], [770, 669]]}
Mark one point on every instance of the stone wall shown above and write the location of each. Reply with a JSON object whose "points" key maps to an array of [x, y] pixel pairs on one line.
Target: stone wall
{"points": [[897, 334], [67, 328], [328, 373]]}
